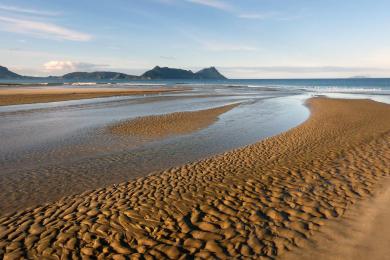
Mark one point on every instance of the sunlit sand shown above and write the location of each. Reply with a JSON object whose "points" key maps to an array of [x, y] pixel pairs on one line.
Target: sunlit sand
{"points": [[264, 199]]}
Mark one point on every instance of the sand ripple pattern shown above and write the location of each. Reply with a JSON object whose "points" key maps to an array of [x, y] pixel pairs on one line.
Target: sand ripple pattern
{"points": [[253, 202]]}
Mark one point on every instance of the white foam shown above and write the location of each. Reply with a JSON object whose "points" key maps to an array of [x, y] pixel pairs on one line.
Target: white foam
{"points": [[341, 89], [140, 84], [83, 84]]}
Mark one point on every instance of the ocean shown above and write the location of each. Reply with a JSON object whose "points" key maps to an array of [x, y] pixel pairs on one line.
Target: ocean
{"points": [[358, 83], [377, 89]]}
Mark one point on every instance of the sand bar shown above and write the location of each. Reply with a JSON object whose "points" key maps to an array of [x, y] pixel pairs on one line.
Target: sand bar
{"points": [[29, 95], [178, 123], [260, 200]]}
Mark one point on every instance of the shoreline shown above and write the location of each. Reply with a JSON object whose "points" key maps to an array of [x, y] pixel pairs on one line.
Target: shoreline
{"points": [[28, 95], [290, 185]]}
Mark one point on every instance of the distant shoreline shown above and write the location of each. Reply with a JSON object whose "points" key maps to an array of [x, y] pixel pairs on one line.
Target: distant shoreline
{"points": [[25, 95]]}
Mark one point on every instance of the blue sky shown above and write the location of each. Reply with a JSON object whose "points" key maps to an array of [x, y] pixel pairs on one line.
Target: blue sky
{"points": [[243, 39]]}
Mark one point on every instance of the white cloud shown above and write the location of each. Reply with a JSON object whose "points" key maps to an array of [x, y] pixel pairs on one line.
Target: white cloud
{"points": [[69, 66], [41, 29], [217, 4], [55, 65], [17, 9]]}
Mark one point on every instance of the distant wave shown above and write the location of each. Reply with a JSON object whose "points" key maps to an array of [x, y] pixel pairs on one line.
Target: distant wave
{"points": [[271, 87], [342, 89], [331, 89], [140, 84], [83, 83], [227, 85], [26, 84]]}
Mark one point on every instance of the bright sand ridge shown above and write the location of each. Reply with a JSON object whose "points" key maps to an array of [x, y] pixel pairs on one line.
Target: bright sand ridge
{"points": [[255, 201], [362, 233], [25, 95], [160, 126]]}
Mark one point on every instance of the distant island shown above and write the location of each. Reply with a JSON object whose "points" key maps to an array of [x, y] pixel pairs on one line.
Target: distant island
{"points": [[169, 73], [7, 74], [98, 75], [155, 73]]}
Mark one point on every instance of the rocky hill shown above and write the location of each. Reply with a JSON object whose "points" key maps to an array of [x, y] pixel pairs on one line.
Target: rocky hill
{"points": [[172, 73], [155, 73], [7, 74]]}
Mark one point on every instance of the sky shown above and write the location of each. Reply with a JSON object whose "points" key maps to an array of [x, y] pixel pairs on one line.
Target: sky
{"points": [[243, 39]]}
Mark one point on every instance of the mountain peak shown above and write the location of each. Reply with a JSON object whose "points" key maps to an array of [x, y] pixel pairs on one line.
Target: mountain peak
{"points": [[99, 75], [209, 73], [173, 73], [168, 73], [156, 73], [5, 73]]}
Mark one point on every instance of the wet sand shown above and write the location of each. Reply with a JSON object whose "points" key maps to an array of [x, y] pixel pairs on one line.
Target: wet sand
{"points": [[162, 126], [26, 95], [24, 185], [260, 200]]}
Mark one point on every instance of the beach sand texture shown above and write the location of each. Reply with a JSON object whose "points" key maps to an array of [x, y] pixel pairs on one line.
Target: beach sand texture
{"points": [[257, 201], [178, 123], [26, 95], [362, 233], [37, 186]]}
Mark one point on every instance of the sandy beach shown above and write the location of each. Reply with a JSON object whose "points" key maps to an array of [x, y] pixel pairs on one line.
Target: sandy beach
{"points": [[162, 126], [363, 232], [262, 200], [26, 95]]}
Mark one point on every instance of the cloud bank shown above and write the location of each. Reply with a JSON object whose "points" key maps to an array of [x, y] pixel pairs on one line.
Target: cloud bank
{"points": [[28, 21], [57, 66]]}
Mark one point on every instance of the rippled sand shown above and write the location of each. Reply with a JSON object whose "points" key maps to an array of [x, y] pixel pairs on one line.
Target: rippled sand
{"points": [[161, 126], [260, 200], [26, 95]]}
